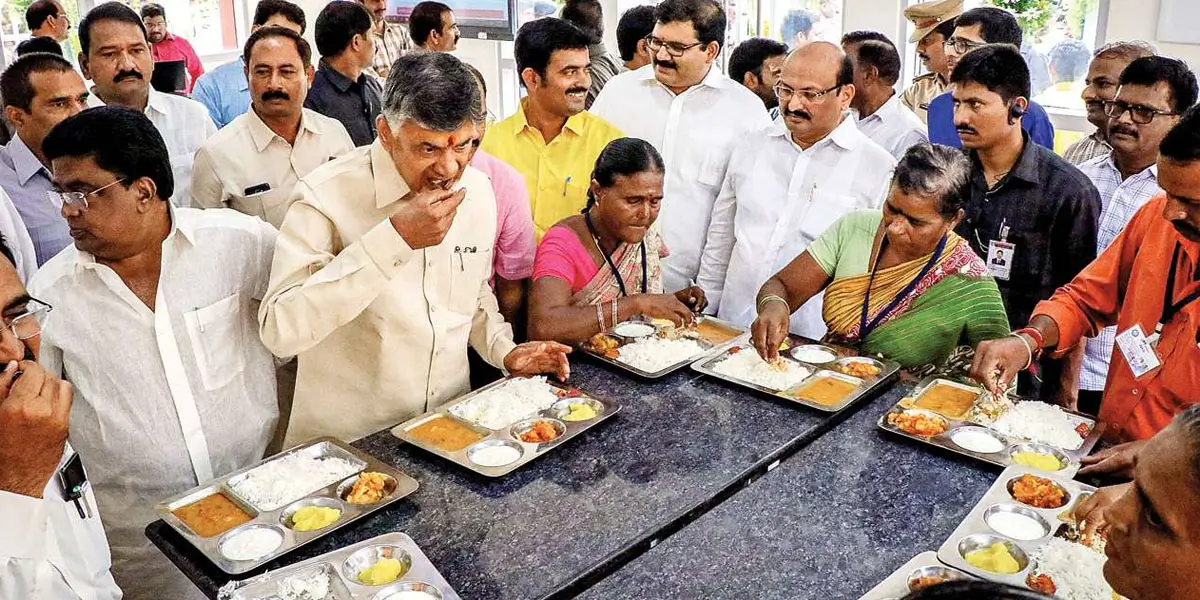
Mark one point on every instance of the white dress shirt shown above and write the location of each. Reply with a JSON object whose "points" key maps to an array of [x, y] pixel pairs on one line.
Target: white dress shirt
{"points": [[776, 200], [1121, 198], [695, 132], [381, 329], [164, 398], [41, 231], [894, 127], [246, 154], [48, 552], [184, 125]]}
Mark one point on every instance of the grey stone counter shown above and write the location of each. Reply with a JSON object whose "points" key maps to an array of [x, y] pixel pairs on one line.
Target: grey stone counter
{"points": [[679, 446], [831, 522]]}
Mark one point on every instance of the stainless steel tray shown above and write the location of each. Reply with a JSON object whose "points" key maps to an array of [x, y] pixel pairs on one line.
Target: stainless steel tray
{"points": [[896, 586], [975, 532], [341, 566], [508, 435], [1012, 445], [831, 369], [279, 519], [709, 347]]}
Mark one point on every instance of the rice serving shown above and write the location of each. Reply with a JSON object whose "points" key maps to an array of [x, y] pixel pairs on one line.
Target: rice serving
{"points": [[311, 587], [507, 403], [292, 477], [748, 366], [1040, 422], [652, 354], [1077, 571]]}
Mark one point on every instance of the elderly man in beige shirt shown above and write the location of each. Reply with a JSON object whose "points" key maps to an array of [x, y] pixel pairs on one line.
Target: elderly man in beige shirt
{"points": [[380, 278], [253, 164]]}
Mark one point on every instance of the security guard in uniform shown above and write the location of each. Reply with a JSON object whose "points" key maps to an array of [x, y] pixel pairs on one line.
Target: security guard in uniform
{"points": [[934, 22]]}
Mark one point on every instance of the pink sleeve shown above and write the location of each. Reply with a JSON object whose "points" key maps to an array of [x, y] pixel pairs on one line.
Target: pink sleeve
{"points": [[515, 247], [562, 255]]}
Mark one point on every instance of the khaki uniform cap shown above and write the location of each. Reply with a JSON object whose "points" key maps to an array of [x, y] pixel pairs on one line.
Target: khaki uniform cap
{"points": [[926, 16]]}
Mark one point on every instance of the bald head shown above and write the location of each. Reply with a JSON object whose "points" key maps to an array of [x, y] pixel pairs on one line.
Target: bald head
{"points": [[817, 87]]}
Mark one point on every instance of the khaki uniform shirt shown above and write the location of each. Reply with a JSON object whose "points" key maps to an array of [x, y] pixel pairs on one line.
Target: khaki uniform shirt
{"points": [[234, 166], [923, 89], [381, 329]]}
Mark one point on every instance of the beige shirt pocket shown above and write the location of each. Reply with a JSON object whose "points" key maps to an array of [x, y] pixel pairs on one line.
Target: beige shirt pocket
{"points": [[472, 266], [216, 332]]}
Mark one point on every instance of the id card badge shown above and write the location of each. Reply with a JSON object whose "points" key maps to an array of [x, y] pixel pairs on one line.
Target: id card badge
{"points": [[1139, 353], [999, 259]]}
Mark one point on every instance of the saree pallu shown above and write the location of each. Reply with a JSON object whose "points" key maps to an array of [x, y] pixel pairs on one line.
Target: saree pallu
{"points": [[956, 302], [628, 258]]}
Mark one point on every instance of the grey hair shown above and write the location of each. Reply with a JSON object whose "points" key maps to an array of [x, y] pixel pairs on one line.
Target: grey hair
{"points": [[934, 171], [1127, 50], [433, 90]]}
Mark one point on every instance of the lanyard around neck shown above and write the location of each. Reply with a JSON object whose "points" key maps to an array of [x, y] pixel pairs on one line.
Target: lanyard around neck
{"points": [[1170, 309], [587, 218], [865, 327]]}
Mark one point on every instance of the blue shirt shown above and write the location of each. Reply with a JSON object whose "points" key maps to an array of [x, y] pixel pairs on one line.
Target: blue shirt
{"points": [[224, 91], [941, 123], [27, 180]]}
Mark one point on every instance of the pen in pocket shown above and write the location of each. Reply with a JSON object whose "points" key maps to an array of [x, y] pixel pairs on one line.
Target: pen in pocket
{"points": [[565, 184]]}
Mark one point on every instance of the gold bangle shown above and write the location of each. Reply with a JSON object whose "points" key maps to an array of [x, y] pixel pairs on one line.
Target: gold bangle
{"points": [[765, 300]]}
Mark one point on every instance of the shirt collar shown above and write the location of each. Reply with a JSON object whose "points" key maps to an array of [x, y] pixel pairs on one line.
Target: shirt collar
{"points": [[574, 122], [846, 134], [339, 81], [389, 185], [158, 103], [263, 135], [713, 79], [183, 226], [1149, 172], [24, 162], [1028, 167]]}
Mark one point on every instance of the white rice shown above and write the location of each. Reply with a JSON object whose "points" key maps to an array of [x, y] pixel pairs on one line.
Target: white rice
{"points": [[1077, 570], [1040, 422], [292, 477], [314, 586], [748, 366], [507, 403], [652, 354]]}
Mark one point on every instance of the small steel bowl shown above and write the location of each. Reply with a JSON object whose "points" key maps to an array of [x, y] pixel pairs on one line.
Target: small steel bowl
{"points": [[285, 517], [344, 488], [1016, 510], [828, 355], [945, 573], [563, 407], [237, 531], [363, 558], [1066, 494], [492, 444], [979, 541], [520, 427], [957, 431], [428, 589], [1063, 459]]}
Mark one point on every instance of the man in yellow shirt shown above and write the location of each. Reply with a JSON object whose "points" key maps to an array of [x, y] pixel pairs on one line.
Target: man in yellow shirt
{"points": [[551, 140]]}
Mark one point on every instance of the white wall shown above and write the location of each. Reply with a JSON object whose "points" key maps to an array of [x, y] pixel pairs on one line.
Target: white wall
{"points": [[1138, 20]]}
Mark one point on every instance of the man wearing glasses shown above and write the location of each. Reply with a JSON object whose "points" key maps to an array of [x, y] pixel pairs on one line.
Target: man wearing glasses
{"points": [[154, 325], [785, 185], [53, 544], [973, 29], [1151, 95], [692, 114], [1024, 202]]}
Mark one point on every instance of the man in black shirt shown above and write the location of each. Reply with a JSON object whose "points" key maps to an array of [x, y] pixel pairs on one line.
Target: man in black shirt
{"points": [[1031, 215], [340, 89]]}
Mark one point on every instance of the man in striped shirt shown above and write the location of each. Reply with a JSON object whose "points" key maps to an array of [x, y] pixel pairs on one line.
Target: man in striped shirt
{"points": [[1101, 85], [1151, 95]]}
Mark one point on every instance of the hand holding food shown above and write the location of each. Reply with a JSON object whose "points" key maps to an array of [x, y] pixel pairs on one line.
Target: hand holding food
{"points": [[770, 329], [35, 411], [997, 362], [536, 358], [665, 306], [693, 297], [1091, 512], [1116, 461], [424, 217]]}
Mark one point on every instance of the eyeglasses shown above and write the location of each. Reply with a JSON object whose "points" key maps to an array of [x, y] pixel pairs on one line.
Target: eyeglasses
{"points": [[674, 49], [29, 323], [962, 46], [785, 93], [78, 200], [1138, 113]]}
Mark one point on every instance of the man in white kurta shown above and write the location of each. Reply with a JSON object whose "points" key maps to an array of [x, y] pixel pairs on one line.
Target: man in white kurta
{"points": [[786, 185], [380, 277], [154, 326], [693, 114]]}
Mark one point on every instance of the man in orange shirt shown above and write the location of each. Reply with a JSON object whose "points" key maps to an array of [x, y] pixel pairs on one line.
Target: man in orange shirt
{"points": [[1147, 283]]}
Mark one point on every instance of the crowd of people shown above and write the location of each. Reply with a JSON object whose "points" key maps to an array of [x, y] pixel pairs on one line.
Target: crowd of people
{"points": [[329, 245]]}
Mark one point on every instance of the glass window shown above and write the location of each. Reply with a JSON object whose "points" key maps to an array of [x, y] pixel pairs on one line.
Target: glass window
{"points": [[209, 25], [13, 29]]}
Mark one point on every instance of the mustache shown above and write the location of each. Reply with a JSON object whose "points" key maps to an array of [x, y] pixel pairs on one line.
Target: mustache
{"points": [[1125, 129], [666, 64], [577, 90], [1094, 104], [121, 75], [965, 129], [275, 95], [798, 114]]}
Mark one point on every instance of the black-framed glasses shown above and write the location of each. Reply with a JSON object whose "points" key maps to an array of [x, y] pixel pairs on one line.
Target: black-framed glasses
{"points": [[78, 200], [1138, 113], [785, 93], [29, 323], [674, 49], [962, 46]]}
